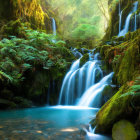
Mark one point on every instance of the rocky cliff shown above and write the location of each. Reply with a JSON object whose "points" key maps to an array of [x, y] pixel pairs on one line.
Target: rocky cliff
{"points": [[122, 55]]}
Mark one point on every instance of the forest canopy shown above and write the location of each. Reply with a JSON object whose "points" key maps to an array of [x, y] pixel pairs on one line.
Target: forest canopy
{"points": [[82, 19]]}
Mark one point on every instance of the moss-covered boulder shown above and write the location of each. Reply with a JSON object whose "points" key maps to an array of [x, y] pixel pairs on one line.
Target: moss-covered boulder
{"points": [[112, 111], [123, 105], [124, 130]]}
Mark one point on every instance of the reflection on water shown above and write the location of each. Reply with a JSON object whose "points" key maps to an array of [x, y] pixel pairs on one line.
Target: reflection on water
{"points": [[53, 123]]}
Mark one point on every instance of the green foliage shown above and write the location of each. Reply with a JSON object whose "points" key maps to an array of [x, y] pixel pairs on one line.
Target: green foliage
{"points": [[2, 74], [134, 91], [18, 55], [85, 31], [116, 59]]}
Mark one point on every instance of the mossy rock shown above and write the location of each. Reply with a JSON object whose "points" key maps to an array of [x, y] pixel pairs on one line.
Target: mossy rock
{"points": [[121, 38], [103, 48], [128, 67], [132, 35], [124, 130], [84, 59], [113, 110], [124, 59]]}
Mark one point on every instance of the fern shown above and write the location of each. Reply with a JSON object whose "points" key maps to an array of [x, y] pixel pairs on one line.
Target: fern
{"points": [[134, 91], [48, 64], [137, 81], [26, 66], [60, 43], [8, 77], [18, 54], [116, 59]]}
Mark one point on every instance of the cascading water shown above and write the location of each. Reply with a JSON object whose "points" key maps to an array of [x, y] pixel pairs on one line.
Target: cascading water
{"points": [[68, 83], [120, 20], [80, 85], [127, 22], [135, 25], [54, 26], [76, 53], [92, 96], [48, 95]]}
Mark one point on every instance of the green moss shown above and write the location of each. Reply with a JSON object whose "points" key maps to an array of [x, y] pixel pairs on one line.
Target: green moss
{"points": [[28, 11], [124, 58], [123, 105], [115, 109], [103, 49], [132, 35], [14, 28], [124, 130]]}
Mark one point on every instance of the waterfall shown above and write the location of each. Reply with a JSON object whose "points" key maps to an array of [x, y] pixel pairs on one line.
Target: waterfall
{"points": [[76, 53], [135, 25], [90, 98], [68, 81], [136, 7], [127, 22], [79, 85], [54, 26], [120, 15], [48, 95]]}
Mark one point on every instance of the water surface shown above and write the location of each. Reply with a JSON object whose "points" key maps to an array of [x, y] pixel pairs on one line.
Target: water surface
{"points": [[54, 123]]}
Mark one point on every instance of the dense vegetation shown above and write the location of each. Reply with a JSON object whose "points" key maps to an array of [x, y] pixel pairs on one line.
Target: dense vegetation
{"points": [[29, 61]]}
